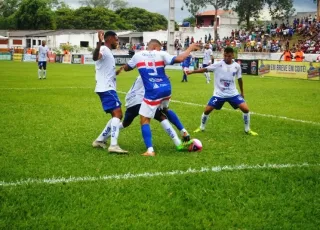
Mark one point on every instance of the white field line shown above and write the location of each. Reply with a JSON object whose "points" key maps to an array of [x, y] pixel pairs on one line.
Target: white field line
{"points": [[181, 102], [127, 176]]}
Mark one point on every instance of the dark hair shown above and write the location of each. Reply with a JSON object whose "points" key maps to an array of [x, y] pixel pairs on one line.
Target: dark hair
{"points": [[228, 50], [155, 41], [109, 34]]}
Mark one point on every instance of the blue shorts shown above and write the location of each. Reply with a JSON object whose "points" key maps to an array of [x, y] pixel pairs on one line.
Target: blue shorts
{"points": [[109, 100], [218, 102], [42, 64], [204, 65]]}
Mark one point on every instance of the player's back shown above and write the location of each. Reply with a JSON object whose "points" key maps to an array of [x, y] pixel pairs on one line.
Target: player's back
{"points": [[151, 66], [136, 93], [43, 53], [207, 56]]}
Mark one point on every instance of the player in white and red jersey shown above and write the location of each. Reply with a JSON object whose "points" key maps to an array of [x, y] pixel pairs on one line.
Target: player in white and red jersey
{"points": [[225, 74], [151, 65], [134, 99]]}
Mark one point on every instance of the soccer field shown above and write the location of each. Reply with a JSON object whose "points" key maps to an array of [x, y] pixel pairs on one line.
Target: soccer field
{"points": [[52, 178]]}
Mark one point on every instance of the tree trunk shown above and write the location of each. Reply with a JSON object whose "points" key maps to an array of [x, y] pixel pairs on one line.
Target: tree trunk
{"points": [[248, 21], [318, 10]]}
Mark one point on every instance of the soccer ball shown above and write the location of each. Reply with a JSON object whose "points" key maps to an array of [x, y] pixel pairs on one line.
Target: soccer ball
{"points": [[196, 146]]}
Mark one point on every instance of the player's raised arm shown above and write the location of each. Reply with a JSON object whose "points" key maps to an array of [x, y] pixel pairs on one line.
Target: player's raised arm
{"points": [[211, 68], [96, 53], [186, 54]]}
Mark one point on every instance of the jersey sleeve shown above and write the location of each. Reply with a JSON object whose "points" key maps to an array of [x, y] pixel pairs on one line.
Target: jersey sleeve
{"points": [[167, 58], [133, 62], [212, 67]]}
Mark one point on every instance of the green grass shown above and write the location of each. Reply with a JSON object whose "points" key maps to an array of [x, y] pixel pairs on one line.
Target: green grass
{"points": [[47, 133]]}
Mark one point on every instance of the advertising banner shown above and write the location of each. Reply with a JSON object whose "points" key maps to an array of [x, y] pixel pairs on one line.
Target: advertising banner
{"points": [[29, 58], [76, 59], [66, 59], [87, 59], [122, 59], [301, 70], [248, 66], [5, 56], [17, 57], [52, 57]]}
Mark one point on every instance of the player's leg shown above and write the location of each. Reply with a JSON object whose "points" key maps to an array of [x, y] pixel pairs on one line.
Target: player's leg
{"points": [[111, 104], [239, 102], [147, 112], [44, 70], [214, 103], [130, 115], [40, 70], [174, 119], [185, 74], [167, 127]]}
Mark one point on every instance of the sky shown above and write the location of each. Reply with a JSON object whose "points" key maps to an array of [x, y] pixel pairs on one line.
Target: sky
{"points": [[163, 5]]}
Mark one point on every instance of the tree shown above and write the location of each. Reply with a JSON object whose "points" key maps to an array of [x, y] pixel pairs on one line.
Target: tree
{"points": [[98, 18], [8, 7], [36, 15], [195, 5], [192, 7], [65, 18], [280, 9], [190, 19], [110, 4], [142, 20], [247, 9]]}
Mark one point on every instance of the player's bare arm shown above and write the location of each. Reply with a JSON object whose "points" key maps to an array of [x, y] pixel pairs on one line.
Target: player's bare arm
{"points": [[96, 53], [204, 70], [186, 54], [240, 82]]}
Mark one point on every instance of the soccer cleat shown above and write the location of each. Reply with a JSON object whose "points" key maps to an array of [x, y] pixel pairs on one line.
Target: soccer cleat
{"points": [[198, 130], [185, 137], [99, 144], [116, 149], [251, 133], [148, 154], [184, 146]]}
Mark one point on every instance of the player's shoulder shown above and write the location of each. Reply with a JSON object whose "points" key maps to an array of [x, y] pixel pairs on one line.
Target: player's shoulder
{"points": [[236, 64]]}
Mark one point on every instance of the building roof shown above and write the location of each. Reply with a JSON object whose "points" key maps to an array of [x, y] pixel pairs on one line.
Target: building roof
{"points": [[27, 33], [213, 12]]}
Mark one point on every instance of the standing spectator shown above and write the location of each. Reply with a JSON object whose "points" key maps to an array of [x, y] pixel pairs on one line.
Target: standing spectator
{"points": [[299, 55]]}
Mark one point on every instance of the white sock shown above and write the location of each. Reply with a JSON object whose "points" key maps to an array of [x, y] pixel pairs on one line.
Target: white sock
{"points": [[171, 132], [44, 73], [105, 133], [209, 78], [182, 131], [150, 150], [246, 118], [39, 73], [206, 76], [204, 119], [115, 122], [121, 126]]}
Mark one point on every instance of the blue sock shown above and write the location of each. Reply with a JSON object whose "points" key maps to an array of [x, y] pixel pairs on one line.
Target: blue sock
{"points": [[185, 77], [147, 136], [173, 118]]}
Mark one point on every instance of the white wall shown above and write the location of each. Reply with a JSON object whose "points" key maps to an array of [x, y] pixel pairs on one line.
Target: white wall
{"points": [[54, 41]]}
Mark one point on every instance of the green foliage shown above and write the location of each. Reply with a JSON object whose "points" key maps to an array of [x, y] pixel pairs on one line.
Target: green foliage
{"points": [[36, 15], [98, 18], [67, 47], [109, 4], [143, 20], [280, 9], [8, 7], [65, 18], [190, 19]]}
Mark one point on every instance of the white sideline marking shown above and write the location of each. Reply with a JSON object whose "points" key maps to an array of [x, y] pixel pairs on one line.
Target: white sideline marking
{"points": [[181, 102], [127, 176]]}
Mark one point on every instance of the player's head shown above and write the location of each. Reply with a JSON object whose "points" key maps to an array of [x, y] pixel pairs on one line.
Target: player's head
{"points": [[207, 46], [228, 55], [43, 43], [111, 38], [154, 44]]}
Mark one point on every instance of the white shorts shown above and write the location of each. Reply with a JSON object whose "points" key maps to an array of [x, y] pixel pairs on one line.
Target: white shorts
{"points": [[185, 69], [149, 108]]}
